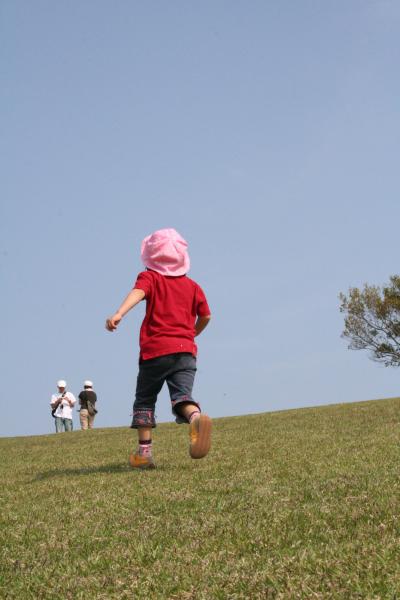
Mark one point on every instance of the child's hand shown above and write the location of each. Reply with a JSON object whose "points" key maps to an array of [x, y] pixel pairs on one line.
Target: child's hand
{"points": [[113, 322]]}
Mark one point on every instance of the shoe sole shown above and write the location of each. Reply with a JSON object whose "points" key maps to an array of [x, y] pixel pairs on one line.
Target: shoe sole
{"points": [[203, 442]]}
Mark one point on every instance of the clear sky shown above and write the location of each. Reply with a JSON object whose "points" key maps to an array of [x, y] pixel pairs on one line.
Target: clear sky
{"points": [[267, 133]]}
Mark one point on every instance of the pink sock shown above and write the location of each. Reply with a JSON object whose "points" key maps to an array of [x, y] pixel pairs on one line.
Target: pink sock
{"points": [[194, 415], [145, 448]]}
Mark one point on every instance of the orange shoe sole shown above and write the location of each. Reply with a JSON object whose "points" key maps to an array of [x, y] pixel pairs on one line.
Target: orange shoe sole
{"points": [[200, 436]]}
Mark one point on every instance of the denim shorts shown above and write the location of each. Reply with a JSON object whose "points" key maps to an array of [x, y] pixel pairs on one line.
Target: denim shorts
{"points": [[178, 370]]}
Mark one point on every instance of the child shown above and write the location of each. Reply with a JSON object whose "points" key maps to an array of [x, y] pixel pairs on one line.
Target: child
{"points": [[176, 312]]}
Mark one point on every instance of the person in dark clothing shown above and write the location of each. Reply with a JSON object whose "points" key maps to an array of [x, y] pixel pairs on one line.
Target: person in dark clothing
{"points": [[87, 401]]}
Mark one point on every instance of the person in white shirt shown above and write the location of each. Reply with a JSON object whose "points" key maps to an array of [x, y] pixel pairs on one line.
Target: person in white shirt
{"points": [[63, 402]]}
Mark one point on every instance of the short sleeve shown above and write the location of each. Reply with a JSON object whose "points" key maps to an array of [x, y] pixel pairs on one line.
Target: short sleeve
{"points": [[202, 308], [144, 282]]}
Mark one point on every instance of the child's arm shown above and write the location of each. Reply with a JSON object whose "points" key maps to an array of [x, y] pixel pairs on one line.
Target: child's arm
{"points": [[201, 324], [133, 298]]}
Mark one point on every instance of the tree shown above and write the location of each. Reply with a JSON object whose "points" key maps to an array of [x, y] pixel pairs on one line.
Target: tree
{"points": [[372, 321]]}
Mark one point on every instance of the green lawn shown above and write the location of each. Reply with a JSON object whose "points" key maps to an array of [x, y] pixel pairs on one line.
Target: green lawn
{"points": [[294, 504]]}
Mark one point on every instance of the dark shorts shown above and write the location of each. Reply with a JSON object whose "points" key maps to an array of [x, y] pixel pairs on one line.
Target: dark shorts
{"points": [[178, 370]]}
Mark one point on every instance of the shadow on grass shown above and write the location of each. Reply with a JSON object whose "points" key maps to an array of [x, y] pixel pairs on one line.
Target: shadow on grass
{"points": [[113, 468], [109, 469]]}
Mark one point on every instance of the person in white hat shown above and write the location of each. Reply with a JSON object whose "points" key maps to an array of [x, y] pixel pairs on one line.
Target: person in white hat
{"points": [[87, 401], [61, 405]]}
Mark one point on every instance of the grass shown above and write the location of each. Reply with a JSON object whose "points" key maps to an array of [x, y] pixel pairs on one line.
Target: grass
{"points": [[295, 504]]}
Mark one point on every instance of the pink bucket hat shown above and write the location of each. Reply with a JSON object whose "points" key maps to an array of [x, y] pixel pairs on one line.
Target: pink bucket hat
{"points": [[165, 251]]}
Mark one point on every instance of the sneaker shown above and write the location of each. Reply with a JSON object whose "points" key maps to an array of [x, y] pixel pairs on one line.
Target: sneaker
{"points": [[137, 461], [200, 436]]}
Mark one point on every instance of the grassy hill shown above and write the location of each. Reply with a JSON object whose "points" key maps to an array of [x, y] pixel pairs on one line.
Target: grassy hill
{"points": [[295, 504]]}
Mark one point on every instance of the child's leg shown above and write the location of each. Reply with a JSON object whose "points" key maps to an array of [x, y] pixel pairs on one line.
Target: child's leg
{"points": [[180, 383], [150, 380], [142, 458], [149, 383], [144, 434], [189, 411], [144, 442]]}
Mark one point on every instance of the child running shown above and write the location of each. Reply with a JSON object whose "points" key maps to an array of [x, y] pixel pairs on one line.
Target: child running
{"points": [[176, 312]]}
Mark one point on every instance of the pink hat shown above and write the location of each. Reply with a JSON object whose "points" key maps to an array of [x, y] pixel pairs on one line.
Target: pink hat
{"points": [[165, 251]]}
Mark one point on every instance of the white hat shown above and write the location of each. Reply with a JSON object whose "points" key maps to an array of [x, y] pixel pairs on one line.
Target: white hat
{"points": [[61, 383], [87, 383]]}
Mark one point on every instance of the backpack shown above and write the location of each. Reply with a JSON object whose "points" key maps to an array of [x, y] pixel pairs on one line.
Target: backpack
{"points": [[91, 404], [91, 408]]}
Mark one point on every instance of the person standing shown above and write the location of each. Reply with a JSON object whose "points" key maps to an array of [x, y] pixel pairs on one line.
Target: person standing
{"points": [[63, 402], [87, 401]]}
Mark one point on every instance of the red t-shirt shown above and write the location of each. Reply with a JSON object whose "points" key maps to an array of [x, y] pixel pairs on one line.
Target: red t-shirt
{"points": [[172, 306]]}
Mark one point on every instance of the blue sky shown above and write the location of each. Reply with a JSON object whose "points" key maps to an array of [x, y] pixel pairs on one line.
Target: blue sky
{"points": [[266, 133]]}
